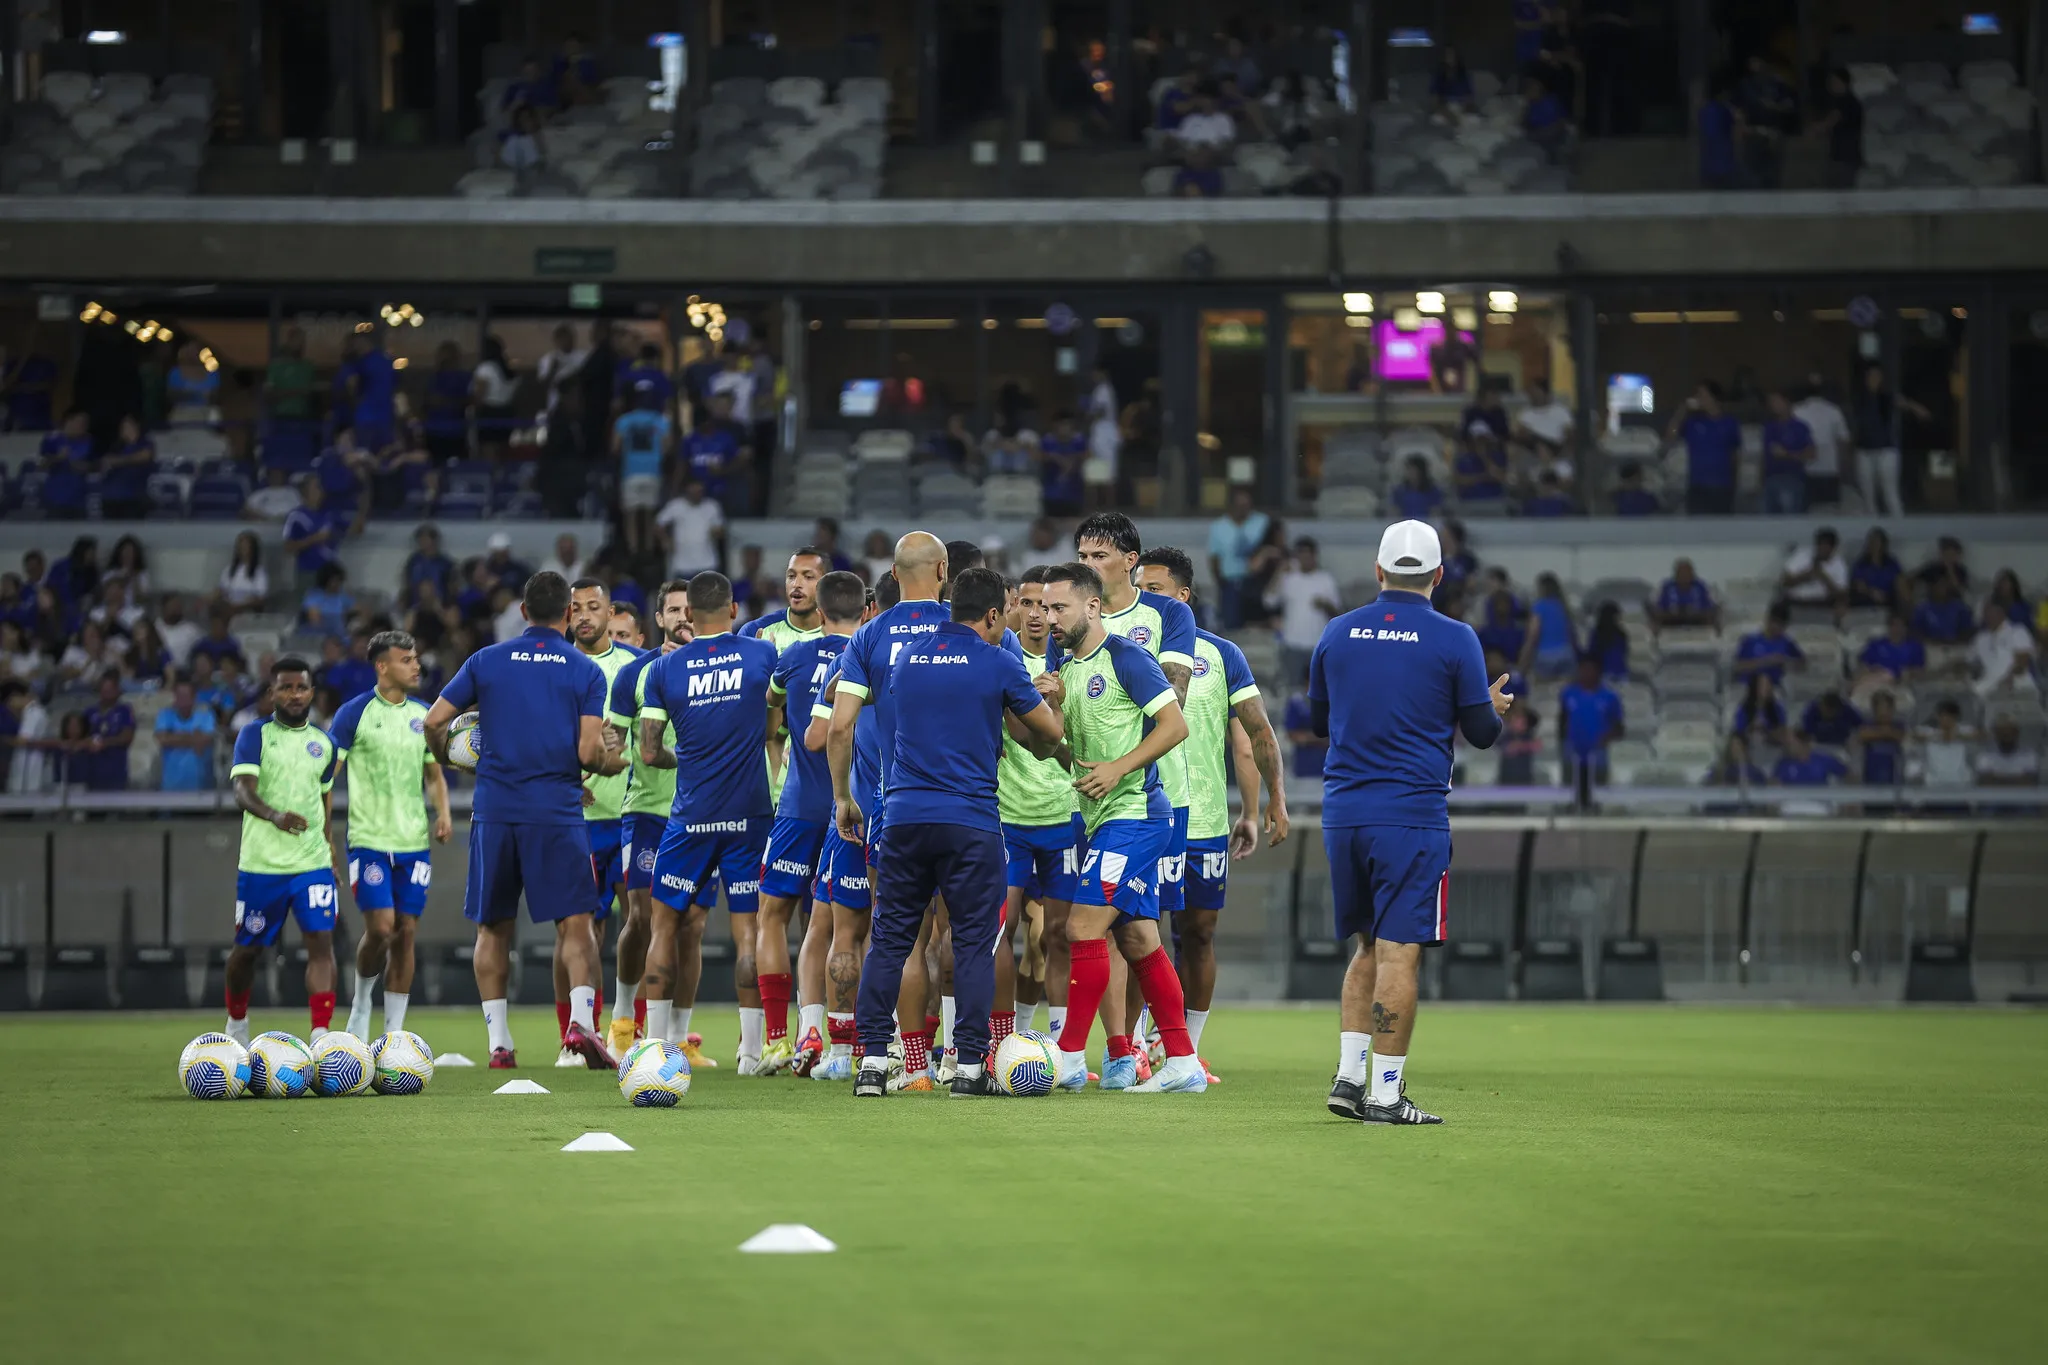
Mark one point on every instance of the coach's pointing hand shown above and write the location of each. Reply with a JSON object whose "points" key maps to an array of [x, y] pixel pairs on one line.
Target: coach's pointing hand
{"points": [[1498, 695], [1098, 778]]}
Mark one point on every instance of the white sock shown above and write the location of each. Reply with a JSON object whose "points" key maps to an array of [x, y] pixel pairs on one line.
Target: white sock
{"points": [[1354, 1057], [1144, 1029], [1196, 1018], [753, 1030], [970, 1069], [1025, 1014], [946, 1012], [583, 1007], [498, 1021], [1055, 1019], [318, 1034], [1072, 1061], [1386, 1079], [394, 1010], [622, 1000], [657, 1018], [874, 1062], [842, 1049], [679, 1020], [808, 1018], [359, 1008], [238, 1029]]}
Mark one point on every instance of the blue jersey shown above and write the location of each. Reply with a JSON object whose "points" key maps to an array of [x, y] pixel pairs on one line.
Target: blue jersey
{"points": [[1395, 674], [643, 436], [866, 778], [763, 621], [865, 667], [800, 676], [1761, 646], [531, 694], [957, 685], [714, 691], [1589, 714]]}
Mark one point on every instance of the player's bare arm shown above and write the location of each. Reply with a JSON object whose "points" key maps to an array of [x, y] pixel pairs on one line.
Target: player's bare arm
{"points": [[1244, 831], [654, 750], [597, 748], [440, 716], [1041, 731], [1169, 727], [336, 849], [847, 814], [291, 822], [437, 797], [1180, 675], [1249, 718]]}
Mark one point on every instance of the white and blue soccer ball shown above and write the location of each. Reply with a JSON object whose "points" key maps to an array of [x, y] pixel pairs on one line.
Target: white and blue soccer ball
{"points": [[214, 1066], [342, 1065], [654, 1074], [402, 1063], [1027, 1064], [280, 1066], [465, 742]]}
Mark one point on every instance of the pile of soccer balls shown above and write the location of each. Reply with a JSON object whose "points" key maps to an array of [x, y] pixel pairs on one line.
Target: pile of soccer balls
{"points": [[280, 1067]]}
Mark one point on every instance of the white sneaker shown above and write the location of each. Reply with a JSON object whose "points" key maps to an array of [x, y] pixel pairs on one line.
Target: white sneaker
{"points": [[1180, 1075], [948, 1067], [834, 1068], [569, 1057], [1073, 1073], [748, 1066]]}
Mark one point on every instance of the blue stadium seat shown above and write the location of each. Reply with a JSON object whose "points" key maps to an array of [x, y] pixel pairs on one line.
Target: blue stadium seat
{"points": [[167, 495], [468, 490], [290, 445], [26, 502], [218, 496]]}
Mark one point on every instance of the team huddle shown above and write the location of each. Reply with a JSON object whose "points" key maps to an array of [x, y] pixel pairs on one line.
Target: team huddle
{"points": [[972, 786]]}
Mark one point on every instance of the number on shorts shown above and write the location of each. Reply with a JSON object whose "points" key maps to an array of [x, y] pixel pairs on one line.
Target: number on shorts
{"points": [[319, 897], [1072, 857], [355, 871], [1214, 865], [422, 873]]}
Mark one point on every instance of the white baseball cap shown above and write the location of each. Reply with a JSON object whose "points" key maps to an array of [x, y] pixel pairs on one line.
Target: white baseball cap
{"points": [[499, 541], [1411, 547]]}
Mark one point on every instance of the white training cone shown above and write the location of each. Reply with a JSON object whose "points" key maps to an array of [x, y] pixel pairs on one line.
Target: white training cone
{"points": [[521, 1088], [448, 1059], [597, 1142], [788, 1239]]}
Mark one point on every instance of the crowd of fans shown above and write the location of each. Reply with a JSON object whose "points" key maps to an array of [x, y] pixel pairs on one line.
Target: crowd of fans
{"points": [[544, 93]]}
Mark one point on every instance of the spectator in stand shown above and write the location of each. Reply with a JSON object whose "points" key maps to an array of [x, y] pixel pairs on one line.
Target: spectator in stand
{"points": [[954, 445], [1589, 716], [1237, 63], [1545, 422], [192, 388], [1733, 768], [1062, 452], [312, 533], [1102, 474], [226, 689], [1944, 618], [345, 470], [1815, 576], [692, 529], [825, 539], [1310, 748], [353, 674], [2002, 655], [1607, 642], [76, 577], [1830, 431], [1769, 111], [566, 559], [1760, 712], [878, 555], [75, 758], [115, 613], [575, 68], [1830, 719], [531, 91], [66, 457], [645, 384], [523, 148], [1417, 497], [2005, 763], [1460, 563], [1874, 577], [148, 663], [1450, 87], [110, 729], [1947, 748], [217, 645], [641, 438], [1788, 451], [278, 497], [124, 474], [1176, 101], [1881, 740], [26, 723], [1200, 177], [753, 592], [1631, 499], [244, 583], [1946, 566], [1546, 119], [1503, 620], [426, 564], [1498, 663], [1263, 567], [1232, 538], [371, 382], [444, 412], [26, 386], [1713, 441], [1206, 130], [1842, 121], [1550, 500], [2010, 597], [288, 387], [184, 734], [1305, 597], [1481, 464], [502, 567], [1895, 656], [326, 606], [715, 451], [1010, 446], [1801, 765], [557, 367], [1486, 410], [20, 659], [1720, 128], [129, 563], [1549, 647], [494, 385], [1518, 748], [1770, 650], [1874, 420], [1296, 109]]}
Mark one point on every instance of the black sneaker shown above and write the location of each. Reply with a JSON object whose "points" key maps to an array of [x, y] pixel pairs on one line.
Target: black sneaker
{"points": [[974, 1087], [870, 1082], [1347, 1099], [1402, 1110]]}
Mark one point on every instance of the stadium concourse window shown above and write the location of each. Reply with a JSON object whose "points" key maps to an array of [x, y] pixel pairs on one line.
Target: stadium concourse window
{"points": [[1380, 380]]}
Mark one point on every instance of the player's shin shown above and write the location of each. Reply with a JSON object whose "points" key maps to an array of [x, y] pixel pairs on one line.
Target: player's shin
{"points": [[1155, 976], [492, 961], [1393, 1015]]}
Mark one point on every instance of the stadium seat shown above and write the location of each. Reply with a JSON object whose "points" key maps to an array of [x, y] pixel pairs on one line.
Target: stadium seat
{"points": [[1939, 970], [153, 978], [1475, 969], [1630, 970], [13, 979], [1553, 969], [75, 978], [458, 976]]}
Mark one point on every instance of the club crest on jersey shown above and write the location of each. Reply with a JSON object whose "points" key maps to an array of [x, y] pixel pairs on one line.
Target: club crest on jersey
{"points": [[374, 874], [313, 748], [644, 860], [1141, 635], [1201, 668], [1097, 685], [419, 725]]}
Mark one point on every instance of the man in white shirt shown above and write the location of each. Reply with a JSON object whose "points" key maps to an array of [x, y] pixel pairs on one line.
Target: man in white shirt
{"points": [[2005, 763], [1545, 422], [1816, 576], [28, 772], [1830, 438], [566, 562], [116, 612], [2003, 652], [177, 632], [1206, 126], [561, 363], [692, 529], [1305, 595]]}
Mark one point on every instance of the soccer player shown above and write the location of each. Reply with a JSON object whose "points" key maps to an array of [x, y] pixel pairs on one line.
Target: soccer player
{"points": [[790, 865], [283, 777], [625, 627], [381, 737], [1389, 684], [713, 691], [540, 707], [1120, 715], [943, 833], [1224, 711], [799, 620]]}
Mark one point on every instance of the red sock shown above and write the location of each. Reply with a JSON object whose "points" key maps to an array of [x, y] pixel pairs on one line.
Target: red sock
{"points": [[931, 1025], [238, 1004], [562, 1018], [917, 1052], [322, 1005], [1156, 978], [597, 1010], [775, 1001], [1120, 1045], [1087, 983], [639, 1016], [839, 1028], [1001, 1025]]}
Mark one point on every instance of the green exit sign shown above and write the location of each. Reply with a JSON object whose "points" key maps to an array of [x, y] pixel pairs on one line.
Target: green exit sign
{"points": [[575, 260], [586, 296]]}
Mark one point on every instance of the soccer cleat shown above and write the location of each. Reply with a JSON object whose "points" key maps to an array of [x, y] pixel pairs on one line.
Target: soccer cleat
{"points": [[872, 1082], [586, 1045], [809, 1052], [778, 1056], [693, 1052], [503, 1059], [748, 1066], [1119, 1073], [1347, 1099], [918, 1083], [1212, 1077], [1402, 1110], [1074, 1074], [1144, 1065], [974, 1087], [1180, 1076], [622, 1032], [568, 1057], [838, 1069]]}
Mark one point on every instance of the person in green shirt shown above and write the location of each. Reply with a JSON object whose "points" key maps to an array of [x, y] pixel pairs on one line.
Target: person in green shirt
{"points": [[382, 738], [590, 619], [289, 383], [283, 778]]}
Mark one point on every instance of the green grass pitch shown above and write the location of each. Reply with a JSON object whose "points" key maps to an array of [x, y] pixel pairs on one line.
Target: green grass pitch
{"points": [[1659, 1184]]}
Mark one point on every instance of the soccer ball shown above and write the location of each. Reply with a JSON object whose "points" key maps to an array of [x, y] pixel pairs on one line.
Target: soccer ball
{"points": [[342, 1064], [1027, 1064], [402, 1062], [280, 1066], [655, 1074], [465, 743], [213, 1066]]}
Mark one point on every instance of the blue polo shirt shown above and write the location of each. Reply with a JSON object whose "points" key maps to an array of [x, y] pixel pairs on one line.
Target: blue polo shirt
{"points": [[531, 693], [1945, 623], [1395, 674], [1782, 440], [1762, 646], [711, 449], [944, 767], [800, 674], [1894, 656], [714, 691], [764, 620], [1877, 580], [1694, 596], [1589, 713], [65, 461], [1815, 770], [865, 669], [1711, 447], [303, 522], [186, 770], [1636, 502], [1417, 504], [1825, 729], [1062, 484]]}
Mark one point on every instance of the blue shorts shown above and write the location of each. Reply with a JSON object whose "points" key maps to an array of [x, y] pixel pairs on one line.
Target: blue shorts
{"points": [[548, 864], [791, 862], [1173, 866], [693, 859], [642, 840], [1208, 872], [262, 899], [1122, 864], [1389, 881], [842, 874], [390, 881], [607, 866], [1045, 860]]}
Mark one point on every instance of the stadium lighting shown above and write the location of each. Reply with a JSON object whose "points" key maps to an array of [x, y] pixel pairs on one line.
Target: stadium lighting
{"points": [[1502, 301], [417, 320], [106, 37], [400, 363], [1429, 301], [209, 359], [1359, 320], [132, 327], [90, 313], [1358, 303]]}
